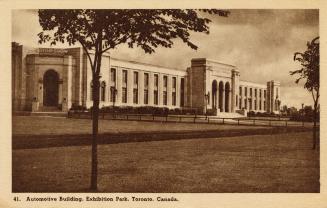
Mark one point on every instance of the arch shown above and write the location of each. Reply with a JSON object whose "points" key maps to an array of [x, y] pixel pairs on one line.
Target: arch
{"points": [[50, 88], [227, 97], [221, 96], [214, 94]]}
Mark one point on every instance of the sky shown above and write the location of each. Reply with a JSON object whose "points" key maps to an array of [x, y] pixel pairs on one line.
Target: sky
{"points": [[260, 43]]}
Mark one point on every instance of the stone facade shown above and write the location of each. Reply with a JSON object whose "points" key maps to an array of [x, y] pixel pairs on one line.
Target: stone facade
{"points": [[55, 79]]}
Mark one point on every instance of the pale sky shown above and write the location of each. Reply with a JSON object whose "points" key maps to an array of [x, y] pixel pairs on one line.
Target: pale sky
{"points": [[260, 43]]}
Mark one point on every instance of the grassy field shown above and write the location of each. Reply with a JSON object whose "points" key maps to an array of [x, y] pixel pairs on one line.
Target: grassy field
{"points": [[262, 163], [29, 125]]}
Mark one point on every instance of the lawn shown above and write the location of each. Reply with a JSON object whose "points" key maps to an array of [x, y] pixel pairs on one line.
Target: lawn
{"points": [[37, 125], [259, 163]]}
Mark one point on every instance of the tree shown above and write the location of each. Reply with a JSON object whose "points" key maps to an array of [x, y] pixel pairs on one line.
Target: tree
{"points": [[310, 73], [98, 31]]}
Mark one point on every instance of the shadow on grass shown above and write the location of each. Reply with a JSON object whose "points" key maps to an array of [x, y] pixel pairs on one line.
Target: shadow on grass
{"points": [[44, 141]]}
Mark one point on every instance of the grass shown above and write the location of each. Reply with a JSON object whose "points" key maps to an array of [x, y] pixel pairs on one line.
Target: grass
{"points": [[261, 163], [33, 125]]}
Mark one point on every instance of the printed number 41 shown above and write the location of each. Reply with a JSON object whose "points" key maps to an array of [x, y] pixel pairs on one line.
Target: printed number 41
{"points": [[16, 198]]}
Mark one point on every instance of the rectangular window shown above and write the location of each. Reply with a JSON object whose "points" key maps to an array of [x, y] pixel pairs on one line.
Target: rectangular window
{"points": [[250, 92], [156, 80], [146, 80], [255, 92], [173, 98], [240, 91], [136, 78], [155, 97], [264, 93], [113, 75], [124, 95], [182, 93], [260, 93], [125, 76], [146, 96], [113, 92], [174, 82], [250, 103], [165, 81], [255, 104], [135, 96], [245, 104], [260, 105], [164, 94], [246, 91], [240, 103]]}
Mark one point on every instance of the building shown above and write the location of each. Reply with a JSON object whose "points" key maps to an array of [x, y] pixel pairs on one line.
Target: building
{"points": [[48, 78]]}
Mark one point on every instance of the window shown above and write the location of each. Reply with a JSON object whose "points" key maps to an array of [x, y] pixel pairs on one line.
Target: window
{"points": [[113, 92], [260, 105], [182, 93], [155, 97], [155, 92], [125, 76], [236, 100], [240, 91], [260, 92], [264, 105], [165, 81], [264, 93], [135, 96], [250, 92], [146, 80], [255, 92], [240, 106], [146, 96], [246, 91], [250, 103], [103, 91], [173, 98], [156, 80], [164, 97], [173, 101], [124, 95], [113, 75], [246, 104], [255, 104], [136, 78]]}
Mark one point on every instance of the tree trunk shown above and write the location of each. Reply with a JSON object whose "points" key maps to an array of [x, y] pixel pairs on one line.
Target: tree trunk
{"points": [[95, 112], [314, 127]]}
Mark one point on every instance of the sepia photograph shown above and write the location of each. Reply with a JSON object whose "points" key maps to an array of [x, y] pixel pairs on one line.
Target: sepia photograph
{"points": [[163, 101]]}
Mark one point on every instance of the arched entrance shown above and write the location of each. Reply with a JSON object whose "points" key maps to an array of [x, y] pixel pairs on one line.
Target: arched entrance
{"points": [[221, 95], [227, 91], [50, 88], [214, 94]]}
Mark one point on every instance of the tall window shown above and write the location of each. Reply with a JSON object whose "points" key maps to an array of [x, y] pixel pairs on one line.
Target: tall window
{"points": [[250, 92], [240, 91], [135, 88], [264, 94], [124, 95], [155, 92], [245, 104], [164, 93], [246, 91], [103, 91], [240, 106], [255, 92], [146, 88], [255, 104], [182, 93], [113, 75], [260, 93], [124, 87], [173, 101], [113, 92]]}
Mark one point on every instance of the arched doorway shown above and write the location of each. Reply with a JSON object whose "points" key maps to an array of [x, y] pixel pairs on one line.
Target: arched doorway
{"points": [[227, 96], [214, 94], [50, 88], [221, 90]]}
